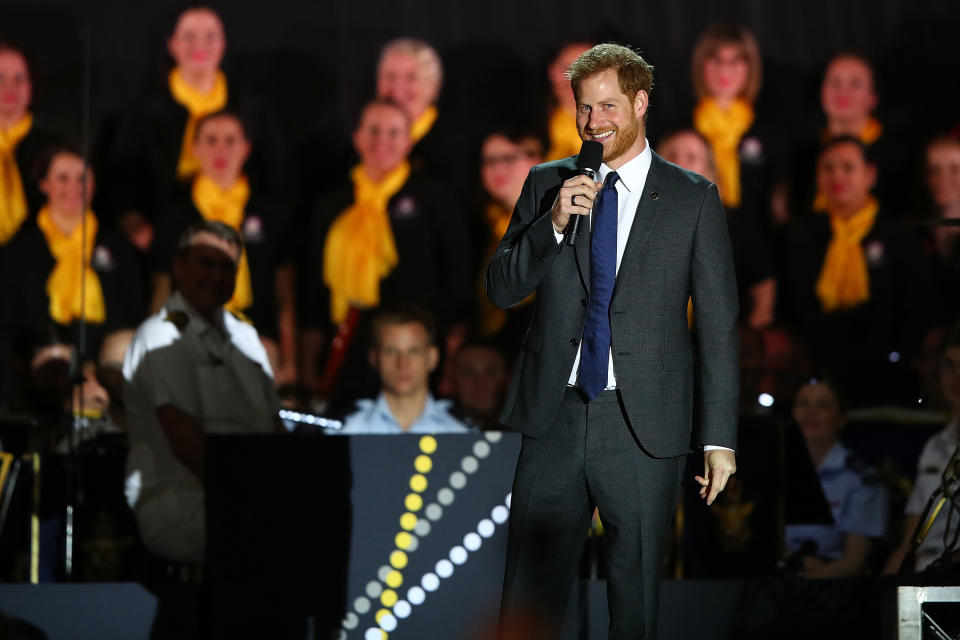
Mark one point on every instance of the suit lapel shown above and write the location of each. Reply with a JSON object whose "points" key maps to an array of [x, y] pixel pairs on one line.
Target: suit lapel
{"points": [[648, 210]]}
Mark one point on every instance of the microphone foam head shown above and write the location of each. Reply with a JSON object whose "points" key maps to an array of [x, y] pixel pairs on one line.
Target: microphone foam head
{"points": [[591, 155]]}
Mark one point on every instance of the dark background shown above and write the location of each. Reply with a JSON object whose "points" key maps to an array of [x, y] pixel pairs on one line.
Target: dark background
{"points": [[315, 60]]}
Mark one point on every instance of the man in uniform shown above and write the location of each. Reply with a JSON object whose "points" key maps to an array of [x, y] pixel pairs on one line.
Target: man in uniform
{"points": [[192, 369]]}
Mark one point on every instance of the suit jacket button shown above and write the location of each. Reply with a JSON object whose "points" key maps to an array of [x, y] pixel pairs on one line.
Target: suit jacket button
{"points": [[583, 302], [574, 341], [540, 253], [655, 195]]}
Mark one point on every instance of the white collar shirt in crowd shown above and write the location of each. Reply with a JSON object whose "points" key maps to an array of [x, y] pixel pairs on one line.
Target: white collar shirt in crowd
{"points": [[374, 417]]}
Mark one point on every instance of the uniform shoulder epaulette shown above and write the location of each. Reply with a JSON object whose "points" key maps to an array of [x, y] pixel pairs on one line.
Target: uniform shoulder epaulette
{"points": [[862, 468], [241, 317], [178, 318]]}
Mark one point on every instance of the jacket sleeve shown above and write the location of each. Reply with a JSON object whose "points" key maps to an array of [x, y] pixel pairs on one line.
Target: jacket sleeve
{"points": [[526, 252], [714, 292]]}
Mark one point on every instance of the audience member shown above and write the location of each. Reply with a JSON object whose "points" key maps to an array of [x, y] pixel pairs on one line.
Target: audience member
{"points": [[192, 369], [505, 160], [943, 186], [404, 353], [936, 453], [396, 235], [481, 376], [110, 375], [857, 499], [65, 266], [849, 99], [410, 74], [221, 191], [756, 281], [22, 141], [155, 158], [726, 72], [562, 126], [858, 284]]}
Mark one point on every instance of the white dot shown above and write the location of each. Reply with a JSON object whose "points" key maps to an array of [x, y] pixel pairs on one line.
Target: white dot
{"points": [[765, 400], [383, 572], [343, 635], [508, 500], [402, 608], [422, 528], [430, 582], [458, 480], [444, 569], [472, 541], [894, 357], [361, 605], [458, 554], [433, 511], [470, 464], [481, 449], [350, 621], [373, 633], [414, 543], [374, 589], [388, 622], [486, 528], [416, 595], [445, 496], [500, 514], [493, 436]]}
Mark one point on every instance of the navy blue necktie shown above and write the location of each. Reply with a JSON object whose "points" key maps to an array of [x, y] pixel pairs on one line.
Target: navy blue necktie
{"points": [[595, 346]]}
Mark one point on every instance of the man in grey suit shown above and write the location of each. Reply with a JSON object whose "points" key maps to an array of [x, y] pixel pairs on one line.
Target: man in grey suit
{"points": [[610, 378]]}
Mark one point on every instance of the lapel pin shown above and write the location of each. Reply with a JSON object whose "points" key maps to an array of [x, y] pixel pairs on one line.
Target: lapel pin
{"points": [[655, 195]]}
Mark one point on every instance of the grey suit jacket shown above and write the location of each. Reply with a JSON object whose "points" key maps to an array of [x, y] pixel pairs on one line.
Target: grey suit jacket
{"points": [[678, 247]]}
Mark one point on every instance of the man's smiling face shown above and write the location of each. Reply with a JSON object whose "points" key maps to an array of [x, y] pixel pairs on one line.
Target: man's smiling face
{"points": [[605, 114]]}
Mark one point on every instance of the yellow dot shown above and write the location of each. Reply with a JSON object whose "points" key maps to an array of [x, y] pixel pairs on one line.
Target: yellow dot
{"points": [[398, 559], [380, 614], [428, 444], [403, 540], [423, 464], [418, 483], [394, 579], [408, 521], [388, 597], [413, 502]]}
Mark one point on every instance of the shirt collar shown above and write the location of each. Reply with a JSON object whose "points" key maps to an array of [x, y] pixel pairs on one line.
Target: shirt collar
{"points": [[836, 458], [196, 322], [634, 172], [382, 407]]}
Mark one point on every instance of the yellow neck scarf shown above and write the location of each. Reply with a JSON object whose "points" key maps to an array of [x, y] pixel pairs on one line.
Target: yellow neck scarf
{"points": [[564, 139], [64, 283], [198, 105], [227, 207], [724, 128], [493, 318], [844, 281], [360, 251], [13, 199], [421, 126]]}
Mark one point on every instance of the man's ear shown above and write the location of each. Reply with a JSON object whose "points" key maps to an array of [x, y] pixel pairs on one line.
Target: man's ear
{"points": [[372, 357], [640, 103], [433, 358]]}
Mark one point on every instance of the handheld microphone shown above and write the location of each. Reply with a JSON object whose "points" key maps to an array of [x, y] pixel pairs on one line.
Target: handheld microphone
{"points": [[588, 164]]}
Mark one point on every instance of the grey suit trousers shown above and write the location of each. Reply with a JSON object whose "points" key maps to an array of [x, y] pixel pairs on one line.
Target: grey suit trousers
{"points": [[590, 457]]}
